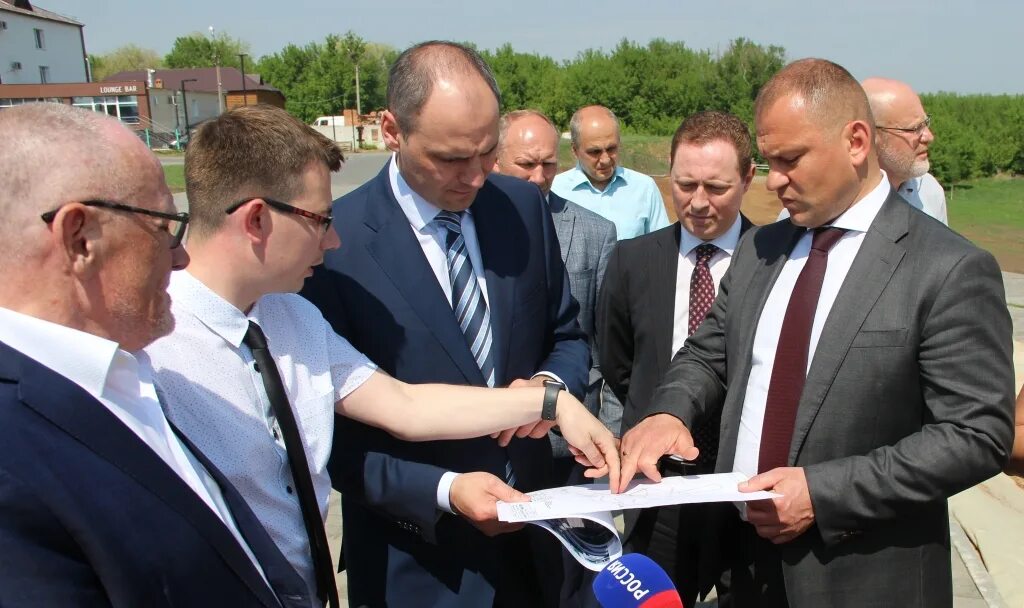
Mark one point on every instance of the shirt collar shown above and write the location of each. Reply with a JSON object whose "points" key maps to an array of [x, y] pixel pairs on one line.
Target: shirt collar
{"points": [[862, 213], [418, 210], [909, 186], [580, 179], [213, 311], [726, 241], [81, 357]]}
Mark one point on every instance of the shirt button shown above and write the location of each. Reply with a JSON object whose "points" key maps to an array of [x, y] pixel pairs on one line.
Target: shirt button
{"points": [[256, 366], [275, 434], [288, 489]]}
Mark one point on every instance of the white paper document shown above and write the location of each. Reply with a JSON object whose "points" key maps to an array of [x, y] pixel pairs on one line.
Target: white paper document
{"points": [[574, 501]]}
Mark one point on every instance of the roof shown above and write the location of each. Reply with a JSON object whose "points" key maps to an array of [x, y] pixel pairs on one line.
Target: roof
{"points": [[206, 78], [35, 11]]}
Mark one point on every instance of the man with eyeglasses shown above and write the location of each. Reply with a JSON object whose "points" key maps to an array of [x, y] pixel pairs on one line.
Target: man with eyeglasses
{"points": [[254, 374], [102, 501], [903, 134]]}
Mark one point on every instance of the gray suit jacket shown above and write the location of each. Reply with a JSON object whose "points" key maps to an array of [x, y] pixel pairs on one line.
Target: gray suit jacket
{"points": [[586, 240], [909, 399]]}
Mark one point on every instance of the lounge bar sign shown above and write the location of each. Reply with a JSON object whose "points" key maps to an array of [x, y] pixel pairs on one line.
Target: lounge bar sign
{"points": [[126, 89]]}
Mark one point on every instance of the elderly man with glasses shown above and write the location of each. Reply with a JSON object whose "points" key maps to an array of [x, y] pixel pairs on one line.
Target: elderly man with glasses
{"points": [[903, 135], [102, 501]]}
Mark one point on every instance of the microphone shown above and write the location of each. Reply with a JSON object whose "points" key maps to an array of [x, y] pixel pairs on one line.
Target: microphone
{"points": [[635, 581]]}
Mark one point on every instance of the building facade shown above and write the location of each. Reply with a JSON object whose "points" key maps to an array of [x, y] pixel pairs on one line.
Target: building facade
{"points": [[38, 46]]}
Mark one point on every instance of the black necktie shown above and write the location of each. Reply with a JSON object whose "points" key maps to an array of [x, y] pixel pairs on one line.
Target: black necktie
{"points": [[257, 343]]}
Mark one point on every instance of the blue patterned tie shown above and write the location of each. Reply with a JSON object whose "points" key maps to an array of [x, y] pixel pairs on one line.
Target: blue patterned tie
{"points": [[468, 303]]}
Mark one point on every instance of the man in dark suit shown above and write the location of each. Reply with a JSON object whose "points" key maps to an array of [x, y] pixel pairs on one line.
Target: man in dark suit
{"points": [[528, 149], [861, 356], [658, 289], [431, 229], [102, 503]]}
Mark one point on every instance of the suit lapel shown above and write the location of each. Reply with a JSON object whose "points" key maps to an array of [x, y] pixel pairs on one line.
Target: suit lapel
{"points": [[74, 411], [663, 267], [401, 259], [879, 256], [565, 223]]}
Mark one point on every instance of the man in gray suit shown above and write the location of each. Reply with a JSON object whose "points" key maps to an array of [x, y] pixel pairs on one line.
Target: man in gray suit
{"points": [[528, 149], [861, 353]]}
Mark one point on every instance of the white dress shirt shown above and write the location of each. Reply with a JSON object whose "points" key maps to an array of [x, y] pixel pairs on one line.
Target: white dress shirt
{"points": [[856, 220], [123, 383], [719, 263], [215, 395], [926, 194]]}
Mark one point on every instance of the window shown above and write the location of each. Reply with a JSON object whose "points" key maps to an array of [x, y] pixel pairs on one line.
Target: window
{"points": [[44, 74], [40, 40]]}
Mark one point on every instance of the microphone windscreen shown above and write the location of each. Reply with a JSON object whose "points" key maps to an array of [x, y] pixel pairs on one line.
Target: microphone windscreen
{"points": [[635, 581]]}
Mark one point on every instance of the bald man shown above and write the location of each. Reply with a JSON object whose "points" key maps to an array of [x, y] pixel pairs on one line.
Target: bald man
{"points": [[903, 134], [861, 356], [102, 502], [631, 200]]}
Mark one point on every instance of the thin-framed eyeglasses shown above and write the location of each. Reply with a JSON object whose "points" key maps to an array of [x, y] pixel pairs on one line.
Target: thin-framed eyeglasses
{"points": [[917, 129], [323, 220], [177, 223]]}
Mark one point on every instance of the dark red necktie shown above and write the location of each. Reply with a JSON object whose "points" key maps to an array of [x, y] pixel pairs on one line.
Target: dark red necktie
{"points": [[702, 287], [790, 369]]}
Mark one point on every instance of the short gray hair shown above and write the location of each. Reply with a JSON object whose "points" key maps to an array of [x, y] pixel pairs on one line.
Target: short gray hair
{"points": [[574, 123], [507, 119], [37, 140]]}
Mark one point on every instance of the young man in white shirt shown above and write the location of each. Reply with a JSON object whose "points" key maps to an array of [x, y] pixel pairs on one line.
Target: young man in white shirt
{"points": [[258, 182]]}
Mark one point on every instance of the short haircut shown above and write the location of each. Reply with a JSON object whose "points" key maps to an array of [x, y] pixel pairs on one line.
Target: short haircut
{"points": [[412, 77], [574, 123], [833, 96], [507, 119], [258, 150], [705, 127], [52, 154]]}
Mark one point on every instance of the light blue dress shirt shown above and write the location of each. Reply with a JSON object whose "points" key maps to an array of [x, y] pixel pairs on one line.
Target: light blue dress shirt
{"points": [[631, 200]]}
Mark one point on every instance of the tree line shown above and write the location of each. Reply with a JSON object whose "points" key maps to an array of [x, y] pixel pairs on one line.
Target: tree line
{"points": [[650, 87]]}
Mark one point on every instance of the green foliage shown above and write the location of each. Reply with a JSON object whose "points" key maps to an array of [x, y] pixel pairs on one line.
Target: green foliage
{"points": [[199, 50], [975, 135], [319, 79], [122, 59]]}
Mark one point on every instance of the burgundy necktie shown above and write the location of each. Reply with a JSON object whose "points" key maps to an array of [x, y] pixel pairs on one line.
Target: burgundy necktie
{"points": [[790, 369], [702, 287], [702, 294]]}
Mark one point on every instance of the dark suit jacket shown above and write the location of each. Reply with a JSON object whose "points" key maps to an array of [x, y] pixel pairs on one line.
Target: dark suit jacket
{"points": [[586, 240], [636, 316], [908, 400], [90, 516], [379, 292]]}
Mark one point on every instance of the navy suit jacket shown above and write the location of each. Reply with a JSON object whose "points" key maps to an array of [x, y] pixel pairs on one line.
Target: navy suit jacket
{"points": [[379, 292], [90, 516]]}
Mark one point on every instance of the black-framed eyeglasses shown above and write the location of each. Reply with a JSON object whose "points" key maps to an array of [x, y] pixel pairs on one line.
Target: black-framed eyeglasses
{"points": [[177, 223], [917, 129], [323, 220]]}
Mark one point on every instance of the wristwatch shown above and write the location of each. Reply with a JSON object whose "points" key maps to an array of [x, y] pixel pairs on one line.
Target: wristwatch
{"points": [[551, 390]]}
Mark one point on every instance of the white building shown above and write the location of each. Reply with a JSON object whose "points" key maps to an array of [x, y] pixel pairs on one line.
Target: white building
{"points": [[38, 46]]}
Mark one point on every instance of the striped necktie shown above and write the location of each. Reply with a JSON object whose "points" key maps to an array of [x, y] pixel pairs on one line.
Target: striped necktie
{"points": [[468, 303]]}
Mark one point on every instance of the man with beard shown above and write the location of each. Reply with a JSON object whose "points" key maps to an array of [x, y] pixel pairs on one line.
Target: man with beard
{"points": [[903, 135]]}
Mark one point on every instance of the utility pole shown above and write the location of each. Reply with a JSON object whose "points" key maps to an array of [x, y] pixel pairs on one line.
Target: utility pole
{"points": [[359, 109], [184, 107], [245, 94], [216, 61]]}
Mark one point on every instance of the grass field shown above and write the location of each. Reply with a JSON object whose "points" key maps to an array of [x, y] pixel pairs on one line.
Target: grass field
{"points": [[175, 175]]}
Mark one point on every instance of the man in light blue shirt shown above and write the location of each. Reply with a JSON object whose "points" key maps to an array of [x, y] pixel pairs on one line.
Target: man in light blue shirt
{"points": [[629, 199]]}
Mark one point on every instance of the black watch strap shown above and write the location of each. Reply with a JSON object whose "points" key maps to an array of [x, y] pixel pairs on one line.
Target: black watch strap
{"points": [[551, 390]]}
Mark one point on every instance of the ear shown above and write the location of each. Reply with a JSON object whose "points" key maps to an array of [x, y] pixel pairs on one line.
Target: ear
{"points": [[76, 234], [859, 141], [256, 222], [749, 177], [390, 132]]}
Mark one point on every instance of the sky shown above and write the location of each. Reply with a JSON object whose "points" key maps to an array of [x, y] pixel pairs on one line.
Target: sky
{"points": [[960, 46]]}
